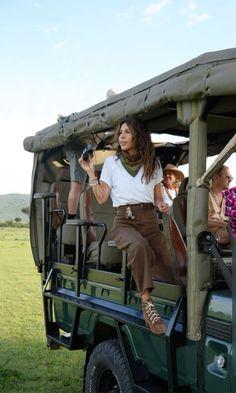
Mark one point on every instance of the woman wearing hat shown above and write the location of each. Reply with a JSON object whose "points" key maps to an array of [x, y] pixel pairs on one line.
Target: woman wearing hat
{"points": [[171, 176]]}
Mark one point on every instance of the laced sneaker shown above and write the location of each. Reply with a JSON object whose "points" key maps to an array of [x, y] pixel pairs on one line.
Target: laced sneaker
{"points": [[152, 318]]}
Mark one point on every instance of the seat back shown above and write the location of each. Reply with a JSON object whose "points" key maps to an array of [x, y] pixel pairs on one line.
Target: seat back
{"points": [[91, 210], [61, 189], [180, 207], [66, 234], [177, 248]]}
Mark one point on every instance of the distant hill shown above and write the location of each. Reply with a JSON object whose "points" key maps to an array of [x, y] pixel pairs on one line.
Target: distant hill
{"points": [[11, 205]]}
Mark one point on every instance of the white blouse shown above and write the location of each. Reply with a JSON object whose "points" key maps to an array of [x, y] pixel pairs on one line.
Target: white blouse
{"points": [[125, 188], [168, 195]]}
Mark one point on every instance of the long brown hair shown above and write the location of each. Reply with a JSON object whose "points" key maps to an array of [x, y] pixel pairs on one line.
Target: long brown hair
{"points": [[143, 142]]}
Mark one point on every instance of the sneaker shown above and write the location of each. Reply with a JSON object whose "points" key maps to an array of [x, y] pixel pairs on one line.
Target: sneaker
{"points": [[152, 318]]}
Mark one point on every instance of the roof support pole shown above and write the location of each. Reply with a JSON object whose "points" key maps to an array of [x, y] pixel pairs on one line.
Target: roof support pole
{"points": [[190, 114]]}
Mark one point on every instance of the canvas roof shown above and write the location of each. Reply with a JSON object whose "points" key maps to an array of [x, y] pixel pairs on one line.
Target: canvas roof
{"points": [[209, 75]]}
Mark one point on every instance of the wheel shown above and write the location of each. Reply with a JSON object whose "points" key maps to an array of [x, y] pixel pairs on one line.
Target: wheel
{"points": [[106, 370]]}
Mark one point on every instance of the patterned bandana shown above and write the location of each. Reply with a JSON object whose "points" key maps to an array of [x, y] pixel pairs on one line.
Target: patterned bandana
{"points": [[132, 164]]}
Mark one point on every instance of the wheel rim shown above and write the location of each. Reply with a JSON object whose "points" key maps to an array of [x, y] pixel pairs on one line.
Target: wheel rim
{"points": [[108, 382]]}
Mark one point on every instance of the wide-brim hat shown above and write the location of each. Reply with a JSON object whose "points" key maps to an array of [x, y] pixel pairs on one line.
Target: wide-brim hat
{"points": [[178, 174]]}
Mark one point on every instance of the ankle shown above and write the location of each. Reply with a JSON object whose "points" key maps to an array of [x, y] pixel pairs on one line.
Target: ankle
{"points": [[71, 216], [145, 296]]}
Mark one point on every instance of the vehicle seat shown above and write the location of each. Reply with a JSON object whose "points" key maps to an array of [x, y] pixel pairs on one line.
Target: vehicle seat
{"points": [[176, 247], [61, 189], [91, 210], [65, 234], [180, 207]]}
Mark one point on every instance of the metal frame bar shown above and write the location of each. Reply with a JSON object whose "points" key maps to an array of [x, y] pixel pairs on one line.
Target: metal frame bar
{"points": [[173, 341]]}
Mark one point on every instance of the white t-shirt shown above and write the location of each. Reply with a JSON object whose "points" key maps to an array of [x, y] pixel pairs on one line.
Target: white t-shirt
{"points": [[126, 189], [168, 196]]}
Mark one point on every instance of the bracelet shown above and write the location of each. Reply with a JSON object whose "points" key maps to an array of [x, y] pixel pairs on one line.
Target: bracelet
{"points": [[93, 182]]}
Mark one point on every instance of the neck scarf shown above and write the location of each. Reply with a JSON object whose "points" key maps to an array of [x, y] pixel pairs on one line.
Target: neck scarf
{"points": [[132, 164]]}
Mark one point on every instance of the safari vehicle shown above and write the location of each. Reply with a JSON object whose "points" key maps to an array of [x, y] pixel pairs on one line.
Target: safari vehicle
{"points": [[90, 300]]}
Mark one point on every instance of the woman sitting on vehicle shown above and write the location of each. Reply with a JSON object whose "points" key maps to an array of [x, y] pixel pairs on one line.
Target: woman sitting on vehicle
{"points": [[171, 176], [132, 177]]}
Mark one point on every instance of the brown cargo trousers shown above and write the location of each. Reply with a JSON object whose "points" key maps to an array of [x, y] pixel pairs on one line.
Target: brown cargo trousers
{"points": [[140, 236]]}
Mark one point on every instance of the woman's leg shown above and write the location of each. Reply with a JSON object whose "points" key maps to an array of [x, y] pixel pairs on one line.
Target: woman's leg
{"points": [[141, 259], [140, 255]]}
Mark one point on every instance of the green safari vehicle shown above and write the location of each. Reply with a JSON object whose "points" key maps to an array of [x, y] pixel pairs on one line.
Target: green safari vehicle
{"points": [[89, 297]]}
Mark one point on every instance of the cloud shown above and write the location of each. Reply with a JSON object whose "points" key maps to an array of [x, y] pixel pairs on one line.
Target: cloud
{"points": [[191, 14], [191, 7], [154, 8], [62, 44], [194, 19]]}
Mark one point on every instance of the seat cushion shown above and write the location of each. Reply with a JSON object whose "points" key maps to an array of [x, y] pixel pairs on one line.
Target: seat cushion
{"points": [[110, 254]]}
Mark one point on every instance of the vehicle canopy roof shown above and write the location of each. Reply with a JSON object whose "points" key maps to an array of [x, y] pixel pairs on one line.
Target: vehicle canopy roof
{"points": [[210, 76]]}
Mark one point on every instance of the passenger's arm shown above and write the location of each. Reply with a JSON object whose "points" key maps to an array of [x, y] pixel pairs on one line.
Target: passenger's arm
{"points": [[213, 222], [158, 199], [101, 189]]}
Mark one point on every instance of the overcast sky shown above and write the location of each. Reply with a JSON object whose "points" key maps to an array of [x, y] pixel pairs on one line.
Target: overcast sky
{"points": [[61, 56]]}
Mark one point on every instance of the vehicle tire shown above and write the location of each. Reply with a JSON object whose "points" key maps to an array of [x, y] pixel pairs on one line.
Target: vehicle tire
{"points": [[107, 371]]}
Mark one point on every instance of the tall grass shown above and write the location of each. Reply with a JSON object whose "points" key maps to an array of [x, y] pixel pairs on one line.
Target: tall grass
{"points": [[26, 364]]}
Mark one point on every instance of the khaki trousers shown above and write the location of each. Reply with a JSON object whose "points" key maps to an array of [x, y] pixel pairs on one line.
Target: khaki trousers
{"points": [[140, 236]]}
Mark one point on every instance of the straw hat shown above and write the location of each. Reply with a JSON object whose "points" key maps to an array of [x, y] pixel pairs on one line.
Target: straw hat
{"points": [[178, 174]]}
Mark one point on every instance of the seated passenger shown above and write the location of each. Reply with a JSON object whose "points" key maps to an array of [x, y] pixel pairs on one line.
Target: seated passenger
{"points": [[217, 220], [230, 208], [132, 177], [172, 177], [72, 152]]}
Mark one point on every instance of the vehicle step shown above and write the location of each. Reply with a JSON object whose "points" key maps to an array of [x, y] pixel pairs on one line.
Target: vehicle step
{"points": [[64, 341], [157, 385], [119, 312]]}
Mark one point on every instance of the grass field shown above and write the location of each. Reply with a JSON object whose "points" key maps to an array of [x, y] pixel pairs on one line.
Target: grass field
{"points": [[26, 364]]}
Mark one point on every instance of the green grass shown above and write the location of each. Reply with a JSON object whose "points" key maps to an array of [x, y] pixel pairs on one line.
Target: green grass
{"points": [[26, 364]]}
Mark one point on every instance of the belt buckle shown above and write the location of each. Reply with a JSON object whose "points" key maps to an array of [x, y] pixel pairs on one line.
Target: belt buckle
{"points": [[129, 213]]}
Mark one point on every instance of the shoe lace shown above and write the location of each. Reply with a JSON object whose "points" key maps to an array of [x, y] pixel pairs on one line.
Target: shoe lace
{"points": [[151, 312]]}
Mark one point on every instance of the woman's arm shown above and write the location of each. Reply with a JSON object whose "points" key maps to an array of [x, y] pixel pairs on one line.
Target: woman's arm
{"points": [[158, 199], [101, 189]]}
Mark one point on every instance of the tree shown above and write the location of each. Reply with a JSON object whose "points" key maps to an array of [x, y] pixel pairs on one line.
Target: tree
{"points": [[25, 210]]}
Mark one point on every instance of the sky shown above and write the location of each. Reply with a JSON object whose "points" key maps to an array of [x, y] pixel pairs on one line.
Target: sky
{"points": [[61, 56]]}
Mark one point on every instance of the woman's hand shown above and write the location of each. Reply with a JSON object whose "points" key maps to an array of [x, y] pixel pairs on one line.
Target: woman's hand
{"points": [[87, 166], [163, 207], [158, 198], [101, 190]]}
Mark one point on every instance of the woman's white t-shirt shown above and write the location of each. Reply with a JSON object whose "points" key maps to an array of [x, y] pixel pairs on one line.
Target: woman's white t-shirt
{"points": [[125, 188], [169, 195]]}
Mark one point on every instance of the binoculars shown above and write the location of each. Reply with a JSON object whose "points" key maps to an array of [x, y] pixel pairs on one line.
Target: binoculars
{"points": [[88, 152]]}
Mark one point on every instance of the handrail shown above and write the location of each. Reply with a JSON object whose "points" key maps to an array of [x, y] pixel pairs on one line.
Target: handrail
{"points": [[218, 162]]}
